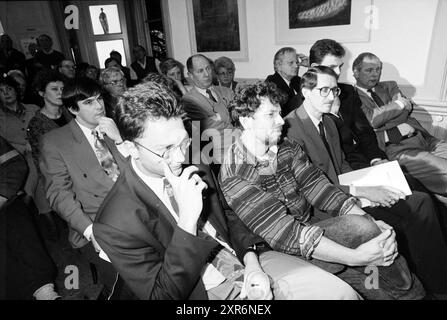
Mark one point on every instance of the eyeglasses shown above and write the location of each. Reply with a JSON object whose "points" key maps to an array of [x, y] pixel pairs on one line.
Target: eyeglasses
{"points": [[116, 82], [324, 91], [168, 152], [226, 73]]}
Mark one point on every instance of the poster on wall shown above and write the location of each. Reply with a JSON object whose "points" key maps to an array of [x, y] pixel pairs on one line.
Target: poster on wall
{"points": [[304, 21], [218, 28], [319, 13]]}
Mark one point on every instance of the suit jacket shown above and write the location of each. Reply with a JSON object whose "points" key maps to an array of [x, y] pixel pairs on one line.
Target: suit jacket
{"points": [[301, 128], [156, 258], [75, 182], [388, 116], [294, 96], [212, 115], [358, 140]]}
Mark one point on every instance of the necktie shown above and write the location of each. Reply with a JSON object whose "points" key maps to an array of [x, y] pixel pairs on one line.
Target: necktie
{"points": [[376, 98], [210, 95], [394, 134], [105, 157], [323, 138], [222, 259]]}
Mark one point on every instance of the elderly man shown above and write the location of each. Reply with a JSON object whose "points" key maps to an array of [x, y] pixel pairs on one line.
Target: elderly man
{"points": [[400, 135], [166, 227], [114, 83], [209, 105], [422, 244], [287, 64], [277, 192]]}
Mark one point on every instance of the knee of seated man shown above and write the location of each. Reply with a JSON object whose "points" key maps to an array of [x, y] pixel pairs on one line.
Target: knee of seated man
{"points": [[362, 229], [420, 206]]}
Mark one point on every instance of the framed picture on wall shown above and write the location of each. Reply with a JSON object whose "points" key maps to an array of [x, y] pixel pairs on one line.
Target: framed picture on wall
{"points": [[218, 28], [305, 21]]}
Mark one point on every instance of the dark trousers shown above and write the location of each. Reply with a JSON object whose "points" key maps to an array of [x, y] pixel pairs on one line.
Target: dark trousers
{"points": [[394, 282], [24, 259], [420, 238]]}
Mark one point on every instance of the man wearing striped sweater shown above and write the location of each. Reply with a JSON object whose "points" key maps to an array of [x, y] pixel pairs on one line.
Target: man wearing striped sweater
{"points": [[282, 197]]}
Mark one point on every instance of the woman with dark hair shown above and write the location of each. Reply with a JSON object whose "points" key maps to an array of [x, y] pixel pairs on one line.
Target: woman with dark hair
{"points": [[173, 69], [14, 119], [49, 85]]}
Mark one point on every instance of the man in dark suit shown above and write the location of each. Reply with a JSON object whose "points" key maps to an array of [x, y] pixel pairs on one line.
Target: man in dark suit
{"points": [[401, 136], [358, 139], [318, 135], [287, 65], [80, 163], [167, 240]]}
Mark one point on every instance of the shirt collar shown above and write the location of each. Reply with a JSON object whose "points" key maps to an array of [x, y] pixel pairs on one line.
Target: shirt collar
{"points": [[203, 91], [155, 184], [314, 120], [243, 155], [18, 113], [365, 90]]}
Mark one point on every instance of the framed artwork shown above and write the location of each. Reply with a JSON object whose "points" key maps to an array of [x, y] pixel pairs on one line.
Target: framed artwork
{"points": [[105, 19], [305, 21], [218, 28]]}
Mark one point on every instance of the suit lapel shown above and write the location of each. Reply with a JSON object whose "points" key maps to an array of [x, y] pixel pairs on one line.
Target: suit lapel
{"points": [[85, 157], [319, 149]]}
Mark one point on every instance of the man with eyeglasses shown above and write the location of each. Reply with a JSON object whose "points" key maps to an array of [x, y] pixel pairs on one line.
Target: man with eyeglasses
{"points": [[282, 197], [168, 231], [317, 133], [114, 83]]}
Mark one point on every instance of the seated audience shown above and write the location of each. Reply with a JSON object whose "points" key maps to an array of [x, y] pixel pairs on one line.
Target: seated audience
{"points": [[143, 64], [67, 70], [401, 136], [414, 217], [283, 198], [114, 84], [199, 248], [29, 271], [14, 119], [46, 56], [87, 70], [209, 105], [10, 58], [52, 115], [173, 69], [287, 65], [225, 72], [80, 163]]}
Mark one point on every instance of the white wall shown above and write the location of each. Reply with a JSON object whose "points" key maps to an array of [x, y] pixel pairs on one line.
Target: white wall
{"points": [[402, 40]]}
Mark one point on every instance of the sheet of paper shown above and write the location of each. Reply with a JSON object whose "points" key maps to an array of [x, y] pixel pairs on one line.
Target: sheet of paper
{"points": [[385, 174]]}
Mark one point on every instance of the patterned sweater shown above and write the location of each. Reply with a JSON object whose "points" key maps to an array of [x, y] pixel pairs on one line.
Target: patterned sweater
{"points": [[278, 206]]}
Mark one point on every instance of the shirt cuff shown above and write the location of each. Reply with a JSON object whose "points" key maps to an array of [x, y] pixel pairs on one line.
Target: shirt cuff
{"points": [[348, 204], [374, 161], [400, 104], [88, 232], [309, 239]]}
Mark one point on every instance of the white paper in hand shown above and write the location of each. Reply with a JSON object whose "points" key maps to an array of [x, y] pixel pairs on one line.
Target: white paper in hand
{"points": [[386, 174]]}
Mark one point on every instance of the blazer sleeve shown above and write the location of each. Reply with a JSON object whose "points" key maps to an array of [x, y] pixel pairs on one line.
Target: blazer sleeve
{"points": [[154, 275], [58, 186], [362, 129], [379, 116], [195, 112]]}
